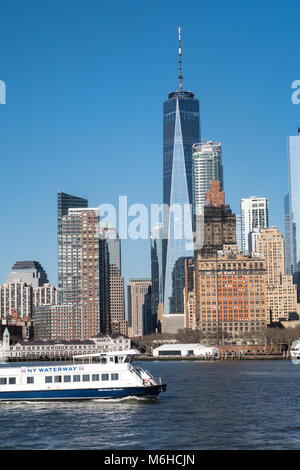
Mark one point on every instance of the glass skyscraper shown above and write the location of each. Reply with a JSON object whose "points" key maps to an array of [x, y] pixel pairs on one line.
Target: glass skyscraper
{"points": [[181, 129], [294, 202], [64, 203]]}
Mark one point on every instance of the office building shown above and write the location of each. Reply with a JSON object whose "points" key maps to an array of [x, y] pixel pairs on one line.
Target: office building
{"points": [[181, 129], [288, 236], [219, 226], [281, 292], [64, 203], [156, 239], [294, 204], [254, 215], [137, 290], [30, 272], [116, 302], [230, 291]]}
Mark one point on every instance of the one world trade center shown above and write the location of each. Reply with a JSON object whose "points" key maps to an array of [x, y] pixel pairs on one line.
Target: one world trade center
{"points": [[181, 129]]}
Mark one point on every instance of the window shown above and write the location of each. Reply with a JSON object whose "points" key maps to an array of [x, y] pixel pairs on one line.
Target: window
{"points": [[76, 378], [12, 380], [67, 378], [114, 376], [3, 380], [95, 377], [86, 378], [57, 378], [30, 380], [104, 377], [48, 379]]}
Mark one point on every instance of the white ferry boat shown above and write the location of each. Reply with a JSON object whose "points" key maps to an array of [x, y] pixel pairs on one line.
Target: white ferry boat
{"points": [[295, 350], [92, 376]]}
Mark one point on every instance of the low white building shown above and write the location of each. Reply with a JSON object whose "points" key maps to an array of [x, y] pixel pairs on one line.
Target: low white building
{"points": [[58, 349], [183, 350]]}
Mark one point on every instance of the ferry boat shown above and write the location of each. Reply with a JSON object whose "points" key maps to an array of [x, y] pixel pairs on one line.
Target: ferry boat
{"points": [[295, 350], [91, 376]]}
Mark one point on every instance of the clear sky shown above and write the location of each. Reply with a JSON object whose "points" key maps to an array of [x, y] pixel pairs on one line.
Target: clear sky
{"points": [[85, 85]]}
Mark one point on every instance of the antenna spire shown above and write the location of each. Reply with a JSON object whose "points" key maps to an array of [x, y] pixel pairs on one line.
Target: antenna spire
{"points": [[180, 63]]}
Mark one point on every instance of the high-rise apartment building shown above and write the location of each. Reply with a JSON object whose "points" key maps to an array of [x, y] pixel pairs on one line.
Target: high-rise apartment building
{"points": [[254, 215], [80, 250], [137, 290], [207, 167], [181, 129], [281, 292], [45, 295], [16, 296], [64, 203]]}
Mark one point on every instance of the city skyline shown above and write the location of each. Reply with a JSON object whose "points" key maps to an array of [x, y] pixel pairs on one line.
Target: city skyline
{"points": [[34, 210]]}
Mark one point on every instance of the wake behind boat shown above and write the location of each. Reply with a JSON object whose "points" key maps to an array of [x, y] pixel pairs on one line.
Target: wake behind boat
{"points": [[91, 376]]}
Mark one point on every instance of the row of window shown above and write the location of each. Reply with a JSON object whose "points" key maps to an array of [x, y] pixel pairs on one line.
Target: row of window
{"points": [[64, 378]]}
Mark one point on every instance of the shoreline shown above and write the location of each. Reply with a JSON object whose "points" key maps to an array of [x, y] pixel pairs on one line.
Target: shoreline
{"points": [[275, 357]]}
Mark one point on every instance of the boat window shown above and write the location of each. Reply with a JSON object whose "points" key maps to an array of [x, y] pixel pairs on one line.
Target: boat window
{"points": [[48, 379], [104, 377], [76, 378], [111, 359], [67, 378], [95, 377], [12, 380], [103, 360], [117, 359], [3, 380], [57, 378], [114, 376], [86, 378], [95, 360], [30, 380]]}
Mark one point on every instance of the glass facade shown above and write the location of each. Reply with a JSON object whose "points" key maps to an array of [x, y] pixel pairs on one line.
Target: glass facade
{"points": [[64, 203], [294, 200], [156, 238], [181, 129]]}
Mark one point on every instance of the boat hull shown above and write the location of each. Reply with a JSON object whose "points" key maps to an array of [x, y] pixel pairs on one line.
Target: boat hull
{"points": [[83, 394]]}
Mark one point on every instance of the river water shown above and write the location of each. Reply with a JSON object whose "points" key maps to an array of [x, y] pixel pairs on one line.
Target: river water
{"points": [[207, 405]]}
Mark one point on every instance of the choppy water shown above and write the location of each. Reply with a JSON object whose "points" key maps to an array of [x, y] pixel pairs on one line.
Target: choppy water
{"points": [[207, 405]]}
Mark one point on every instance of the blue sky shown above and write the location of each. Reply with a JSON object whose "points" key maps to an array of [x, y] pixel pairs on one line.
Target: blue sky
{"points": [[85, 85]]}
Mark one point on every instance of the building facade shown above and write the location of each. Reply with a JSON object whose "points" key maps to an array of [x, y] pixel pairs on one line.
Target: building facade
{"points": [[207, 167], [281, 292], [294, 204], [30, 272], [137, 290], [254, 215], [80, 250], [230, 292], [181, 129], [64, 203]]}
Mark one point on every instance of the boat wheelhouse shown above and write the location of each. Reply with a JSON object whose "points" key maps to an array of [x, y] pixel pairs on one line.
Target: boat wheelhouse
{"points": [[92, 376]]}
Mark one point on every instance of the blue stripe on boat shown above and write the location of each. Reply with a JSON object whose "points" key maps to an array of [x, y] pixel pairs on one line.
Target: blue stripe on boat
{"points": [[83, 394]]}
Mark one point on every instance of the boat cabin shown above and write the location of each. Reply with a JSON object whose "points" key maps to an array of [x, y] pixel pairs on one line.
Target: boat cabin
{"points": [[112, 357]]}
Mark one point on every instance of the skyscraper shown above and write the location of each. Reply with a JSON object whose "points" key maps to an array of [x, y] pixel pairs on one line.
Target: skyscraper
{"points": [[30, 272], [80, 250], [138, 290], [64, 203], [288, 236], [254, 214], [294, 201], [181, 129], [156, 237], [207, 167], [116, 281]]}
